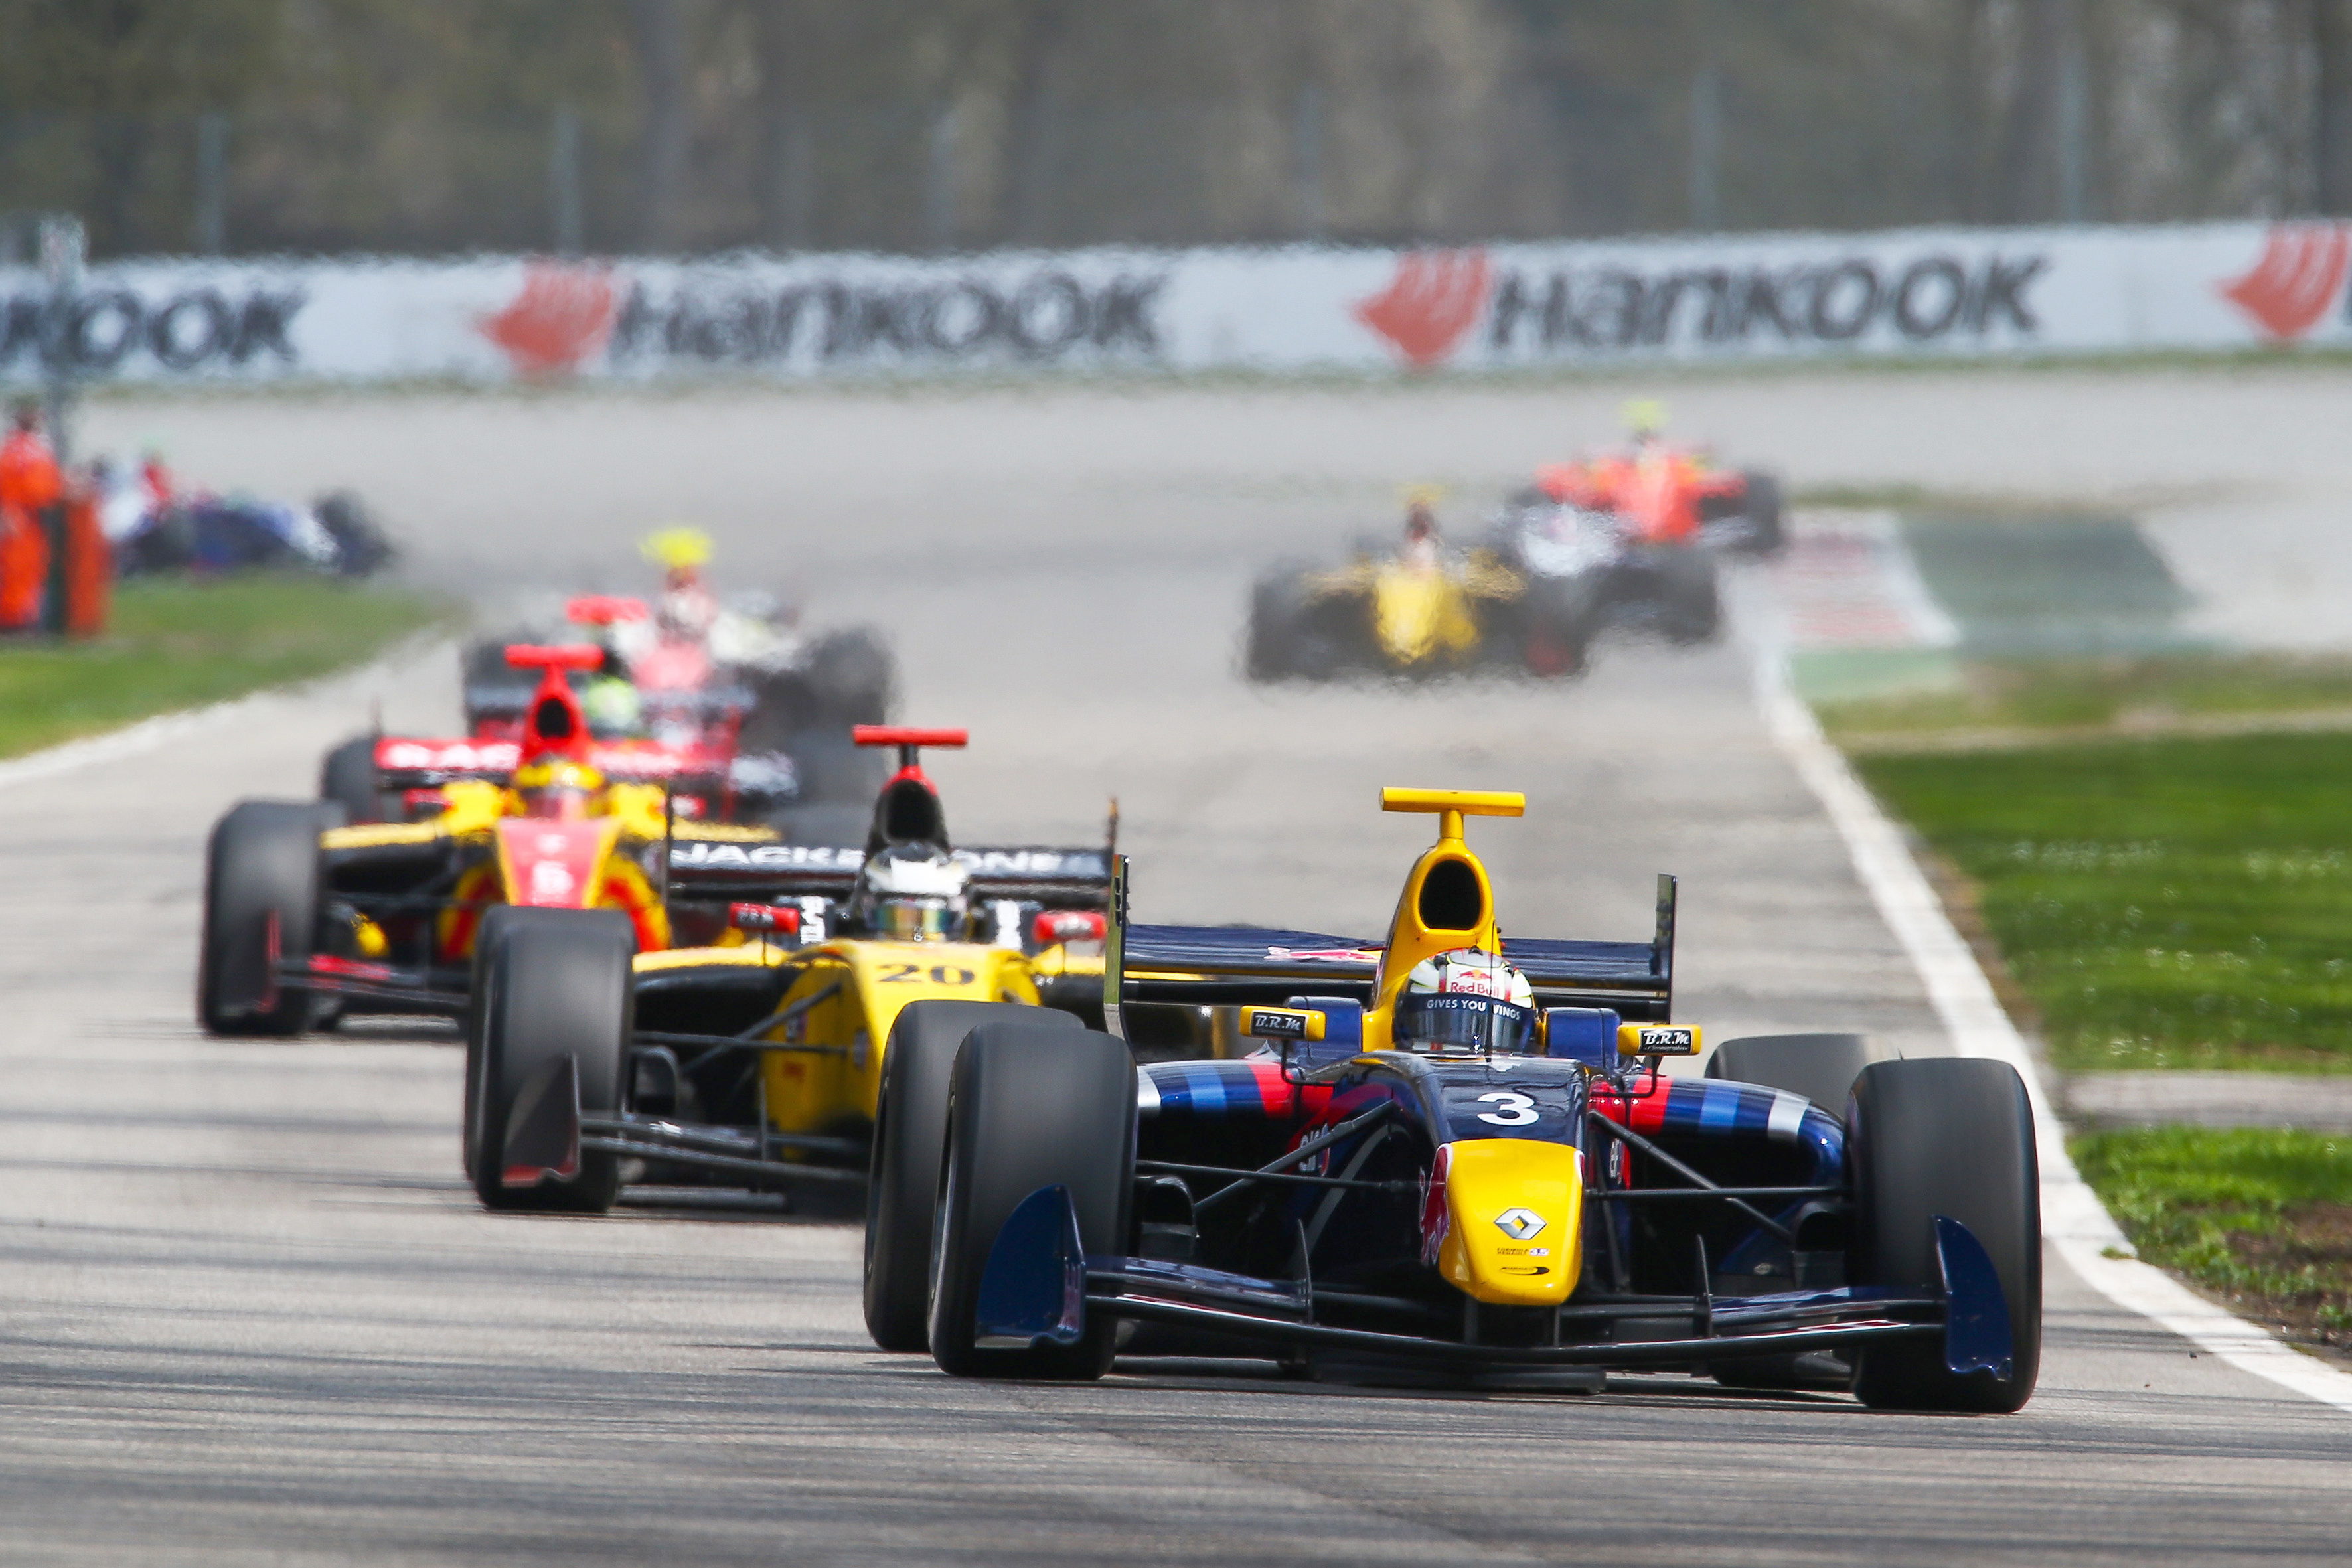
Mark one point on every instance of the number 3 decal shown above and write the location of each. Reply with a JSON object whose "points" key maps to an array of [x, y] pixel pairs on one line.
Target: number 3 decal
{"points": [[1518, 1109]]}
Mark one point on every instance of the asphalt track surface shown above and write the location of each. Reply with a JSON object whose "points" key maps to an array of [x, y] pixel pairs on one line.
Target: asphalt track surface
{"points": [[249, 1313]]}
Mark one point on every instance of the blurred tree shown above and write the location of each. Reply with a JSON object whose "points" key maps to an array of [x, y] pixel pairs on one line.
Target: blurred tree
{"points": [[427, 125], [108, 91], [657, 32], [2331, 53]]}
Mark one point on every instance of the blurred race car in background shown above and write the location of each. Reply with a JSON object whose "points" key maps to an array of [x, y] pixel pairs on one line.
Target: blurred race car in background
{"points": [[1418, 610], [1456, 1161], [155, 526], [1630, 539], [308, 917], [753, 717]]}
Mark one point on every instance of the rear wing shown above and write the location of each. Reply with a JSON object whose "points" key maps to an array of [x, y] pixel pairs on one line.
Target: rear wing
{"points": [[404, 762], [1241, 965], [1057, 878], [511, 699]]}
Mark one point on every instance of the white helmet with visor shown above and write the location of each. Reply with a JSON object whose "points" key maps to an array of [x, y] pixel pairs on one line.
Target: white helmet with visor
{"points": [[913, 892], [1466, 1002]]}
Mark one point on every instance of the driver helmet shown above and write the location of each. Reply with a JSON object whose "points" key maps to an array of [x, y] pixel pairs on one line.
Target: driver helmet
{"points": [[912, 892], [558, 788], [1466, 1002], [686, 611], [1646, 420]]}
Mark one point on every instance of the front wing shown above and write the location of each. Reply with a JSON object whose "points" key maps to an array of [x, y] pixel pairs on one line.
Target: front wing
{"points": [[1040, 1286]]}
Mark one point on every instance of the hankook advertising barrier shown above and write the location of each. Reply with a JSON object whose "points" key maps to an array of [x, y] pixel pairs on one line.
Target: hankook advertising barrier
{"points": [[1921, 292]]}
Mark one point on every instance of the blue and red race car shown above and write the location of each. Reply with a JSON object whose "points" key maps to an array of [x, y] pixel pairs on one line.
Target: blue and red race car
{"points": [[1456, 1159]]}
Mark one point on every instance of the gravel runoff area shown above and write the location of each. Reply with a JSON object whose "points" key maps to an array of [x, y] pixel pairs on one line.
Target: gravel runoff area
{"points": [[252, 1313]]}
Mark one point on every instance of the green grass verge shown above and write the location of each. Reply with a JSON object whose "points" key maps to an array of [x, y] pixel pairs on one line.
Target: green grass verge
{"points": [[2262, 1215], [2070, 693], [2170, 903], [176, 643]]}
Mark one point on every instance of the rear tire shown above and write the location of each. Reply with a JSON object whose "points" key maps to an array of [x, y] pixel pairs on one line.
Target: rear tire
{"points": [[1689, 608], [1822, 1067], [548, 983], [911, 1129], [1561, 615], [1030, 1105], [261, 903], [1767, 531], [1950, 1136]]}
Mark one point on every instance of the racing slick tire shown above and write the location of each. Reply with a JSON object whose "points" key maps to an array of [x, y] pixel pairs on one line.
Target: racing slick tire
{"points": [[261, 905], [838, 780], [547, 984], [846, 678], [1282, 641], [910, 1129], [852, 675], [1690, 609], [1560, 620], [1822, 1067], [347, 776], [1767, 531], [1031, 1104], [360, 548], [1948, 1136]]}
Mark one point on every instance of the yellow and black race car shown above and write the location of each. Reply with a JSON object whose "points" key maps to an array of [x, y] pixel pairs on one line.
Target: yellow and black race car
{"points": [[1558, 564], [757, 1060]]}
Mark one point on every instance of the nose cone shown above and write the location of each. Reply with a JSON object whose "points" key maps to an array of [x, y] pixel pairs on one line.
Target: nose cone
{"points": [[1515, 1213]]}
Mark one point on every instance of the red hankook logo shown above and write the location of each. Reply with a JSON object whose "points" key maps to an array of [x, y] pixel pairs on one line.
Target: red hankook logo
{"points": [[1434, 299], [562, 315], [2298, 277]]}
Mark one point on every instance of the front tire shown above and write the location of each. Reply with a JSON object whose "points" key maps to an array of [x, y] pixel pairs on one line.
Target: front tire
{"points": [[1271, 650], [547, 984], [261, 908], [911, 1131], [347, 776], [1031, 1105], [1950, 1136]]}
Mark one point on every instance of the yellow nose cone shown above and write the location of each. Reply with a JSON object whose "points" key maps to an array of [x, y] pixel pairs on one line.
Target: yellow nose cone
{"points": [[1515, 1214]]}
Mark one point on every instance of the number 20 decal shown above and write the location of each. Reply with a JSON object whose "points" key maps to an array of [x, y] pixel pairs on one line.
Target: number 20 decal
{"points": [[1518, 1109], [912, 974]]}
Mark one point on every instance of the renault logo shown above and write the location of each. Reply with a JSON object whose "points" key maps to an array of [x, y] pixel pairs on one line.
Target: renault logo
{"points": [[1519, 1223]]}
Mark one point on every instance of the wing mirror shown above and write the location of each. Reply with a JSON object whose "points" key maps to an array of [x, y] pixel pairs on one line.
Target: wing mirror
{"points": [[1283, 1023], [1657, 1040], [1053, 926], [769, 919]]}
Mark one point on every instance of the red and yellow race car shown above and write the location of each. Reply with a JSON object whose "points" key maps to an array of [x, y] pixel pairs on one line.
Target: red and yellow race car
{"points": [[307, 917]]}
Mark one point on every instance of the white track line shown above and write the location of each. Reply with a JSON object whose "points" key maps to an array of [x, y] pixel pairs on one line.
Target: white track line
{"points": [[2072, 1218]]}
